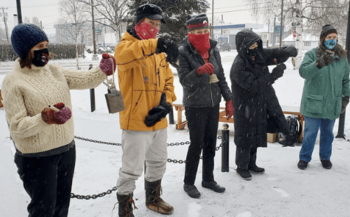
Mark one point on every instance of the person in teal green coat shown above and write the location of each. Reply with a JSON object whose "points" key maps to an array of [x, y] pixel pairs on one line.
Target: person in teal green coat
{"points": [[325, 95]]}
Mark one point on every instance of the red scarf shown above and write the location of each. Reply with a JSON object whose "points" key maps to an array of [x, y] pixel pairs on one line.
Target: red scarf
{"points": [[145, 31], [200, 42]]}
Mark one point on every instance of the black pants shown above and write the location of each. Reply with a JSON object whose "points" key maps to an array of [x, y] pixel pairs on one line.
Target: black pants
{"points": [[203, 126], [48, 181], [246, 157]]}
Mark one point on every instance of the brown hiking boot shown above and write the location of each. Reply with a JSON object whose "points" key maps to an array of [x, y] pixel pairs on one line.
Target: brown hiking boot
{"points": [[154, 201], [125, 205]]}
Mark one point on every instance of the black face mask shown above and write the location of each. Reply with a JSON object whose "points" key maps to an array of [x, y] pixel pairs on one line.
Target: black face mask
{"points": [[252, 52], [41, 57]]}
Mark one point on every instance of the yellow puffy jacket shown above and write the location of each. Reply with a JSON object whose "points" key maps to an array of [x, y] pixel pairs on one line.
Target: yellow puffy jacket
{"points": [[143, 76]]}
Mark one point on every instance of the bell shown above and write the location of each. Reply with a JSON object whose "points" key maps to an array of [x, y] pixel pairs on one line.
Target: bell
{"points": [[213, 78]]}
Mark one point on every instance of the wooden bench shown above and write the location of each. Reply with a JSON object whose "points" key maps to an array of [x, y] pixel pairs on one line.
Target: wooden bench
{"points": [[180, 125]]}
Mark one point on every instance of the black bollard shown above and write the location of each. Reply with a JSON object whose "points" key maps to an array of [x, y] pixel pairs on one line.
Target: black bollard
{"points": [[341, 126], [171, 116], [225, 148], [92, 95], [92, 100]]}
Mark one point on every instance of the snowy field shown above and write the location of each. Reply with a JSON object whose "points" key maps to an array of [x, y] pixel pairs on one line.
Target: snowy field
{"points": [[283, 191]]}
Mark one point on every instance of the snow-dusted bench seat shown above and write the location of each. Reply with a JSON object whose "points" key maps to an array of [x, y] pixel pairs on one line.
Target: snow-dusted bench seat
{"points": [[290, 110]]}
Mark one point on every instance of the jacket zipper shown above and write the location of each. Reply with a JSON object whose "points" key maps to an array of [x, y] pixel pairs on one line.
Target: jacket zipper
{"points": [[211, 93], [189, 96]]}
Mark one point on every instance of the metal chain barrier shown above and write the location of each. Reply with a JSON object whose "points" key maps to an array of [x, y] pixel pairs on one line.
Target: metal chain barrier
{"points": [[96, 141], [94, 196]]}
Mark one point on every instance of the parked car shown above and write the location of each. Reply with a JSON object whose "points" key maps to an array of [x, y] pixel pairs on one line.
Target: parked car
{"points": [[224, 46], [89, 49], [109, 50], [102, 50]]}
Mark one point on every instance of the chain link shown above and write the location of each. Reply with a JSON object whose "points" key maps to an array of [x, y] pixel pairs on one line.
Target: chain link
{"points": [[96, 141], [94, 196], [218, 148]]}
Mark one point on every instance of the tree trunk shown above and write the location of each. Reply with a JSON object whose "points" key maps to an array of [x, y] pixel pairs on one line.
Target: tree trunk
{"points": [[299, 35]]}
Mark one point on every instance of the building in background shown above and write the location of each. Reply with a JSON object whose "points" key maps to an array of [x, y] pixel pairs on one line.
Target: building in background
{"points": [[226, 33], [105, 35], [309, 41]]}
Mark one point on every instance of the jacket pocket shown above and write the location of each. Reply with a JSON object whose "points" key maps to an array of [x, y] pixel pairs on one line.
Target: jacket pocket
{"points": [[314, 103], [338, 104], [138, 96], [192, 93]]}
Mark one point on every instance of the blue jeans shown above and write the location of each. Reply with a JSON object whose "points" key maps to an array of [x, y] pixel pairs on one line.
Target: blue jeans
{"points": [[312, 125]]}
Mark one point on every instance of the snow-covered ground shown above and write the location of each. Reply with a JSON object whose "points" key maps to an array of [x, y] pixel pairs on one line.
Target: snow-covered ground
{"points": [[282, 191]]}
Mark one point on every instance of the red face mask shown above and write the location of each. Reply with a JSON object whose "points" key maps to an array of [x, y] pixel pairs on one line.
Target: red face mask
{"points": [[145, 31], [200, 42]]}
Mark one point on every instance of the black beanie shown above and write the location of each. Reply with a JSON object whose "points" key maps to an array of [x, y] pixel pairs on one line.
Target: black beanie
{"points": [[25, 36], [326, 30], [197, 22], [150, 11]]}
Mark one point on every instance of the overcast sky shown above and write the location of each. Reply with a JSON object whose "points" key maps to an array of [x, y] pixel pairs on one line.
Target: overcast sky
{"points": [[233, 11]]}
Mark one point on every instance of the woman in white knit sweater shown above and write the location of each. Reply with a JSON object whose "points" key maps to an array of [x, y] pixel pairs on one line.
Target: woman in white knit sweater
{"points": [[43, 134]]}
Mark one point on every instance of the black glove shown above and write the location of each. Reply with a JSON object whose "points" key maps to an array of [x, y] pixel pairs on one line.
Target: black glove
{"points": [[324, 60], [283, 53], [278, 71], [168, 47], [158, 113], [344, 103]]}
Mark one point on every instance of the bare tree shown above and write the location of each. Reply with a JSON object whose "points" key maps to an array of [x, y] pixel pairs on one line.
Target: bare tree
{"points": [[36, 21], [109, 13], [26, 20], [73, 20], [2, 35], [314, 13]]}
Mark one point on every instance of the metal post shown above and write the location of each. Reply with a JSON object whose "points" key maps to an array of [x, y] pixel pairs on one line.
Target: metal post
{"points": [[171, 116], [92, 96], [274, 32], [92, 100], [342, 116], [225, 148], [281, 27], [94, 57], [19, 11], [341, 126]]}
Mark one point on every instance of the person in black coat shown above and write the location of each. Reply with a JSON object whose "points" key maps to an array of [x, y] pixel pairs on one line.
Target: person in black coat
{"points": [[203, 80], [257, 109]]}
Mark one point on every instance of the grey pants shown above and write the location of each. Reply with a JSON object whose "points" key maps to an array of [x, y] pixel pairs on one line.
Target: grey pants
{"points": [[140, 147]]}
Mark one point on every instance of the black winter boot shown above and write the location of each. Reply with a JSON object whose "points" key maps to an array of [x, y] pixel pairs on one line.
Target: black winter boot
{"points": [[327, 164], [125, 205], [154, 201], [244, 174], [302, 164], [256, 169], [213, 186]]}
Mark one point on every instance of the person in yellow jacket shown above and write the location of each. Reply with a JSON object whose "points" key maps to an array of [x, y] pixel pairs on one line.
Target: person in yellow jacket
{"points": [[146, 83]]}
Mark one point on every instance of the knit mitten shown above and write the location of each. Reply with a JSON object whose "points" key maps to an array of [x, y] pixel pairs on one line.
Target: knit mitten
{"points": [[107, 63], [59, 114]]}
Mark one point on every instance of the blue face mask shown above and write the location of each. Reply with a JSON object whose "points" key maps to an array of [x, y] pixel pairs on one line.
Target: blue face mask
{"points": [[330, 44]]}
